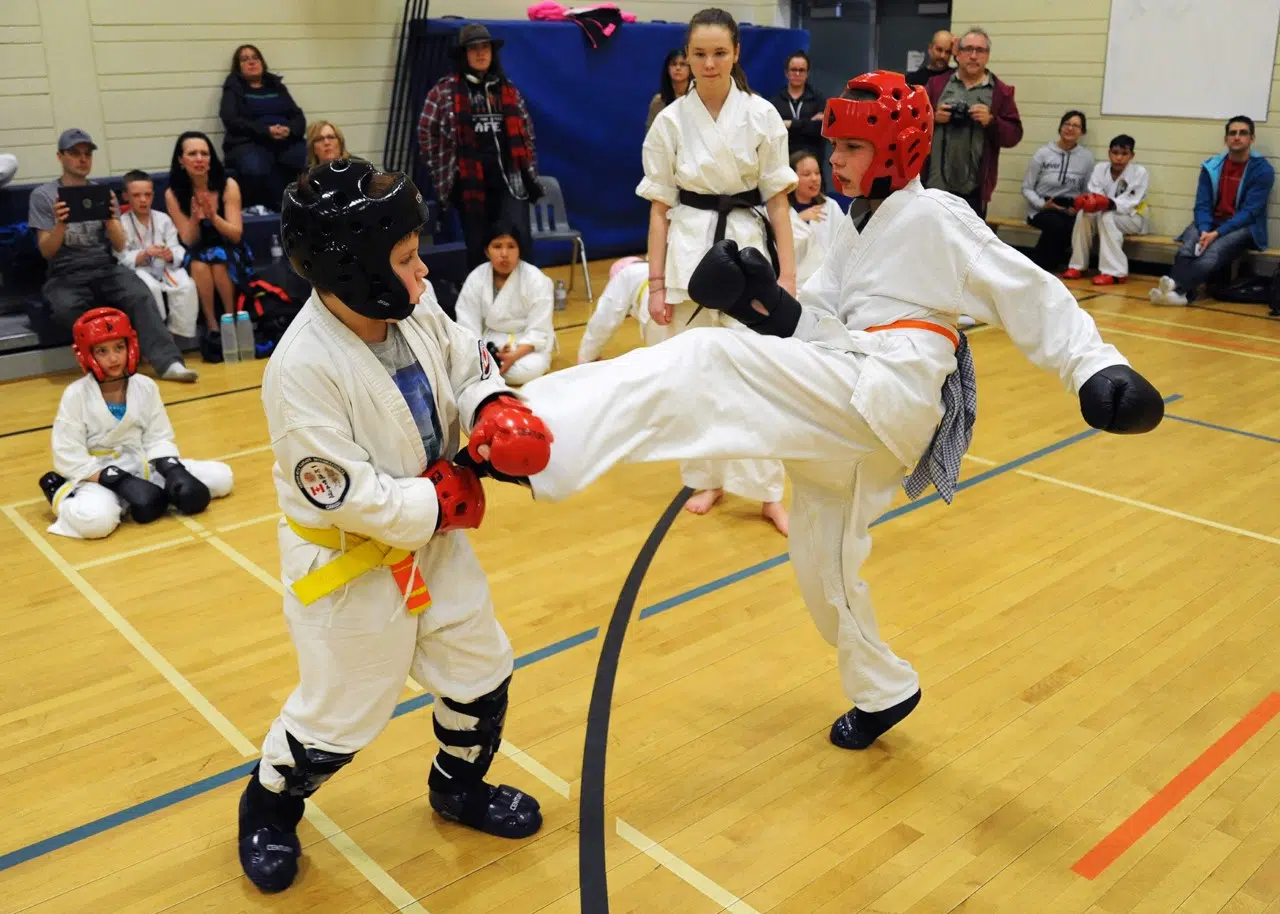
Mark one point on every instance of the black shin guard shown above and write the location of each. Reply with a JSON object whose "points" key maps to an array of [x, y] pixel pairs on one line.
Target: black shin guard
{"points": [[458, 791], [269, 845], [859, 729]]}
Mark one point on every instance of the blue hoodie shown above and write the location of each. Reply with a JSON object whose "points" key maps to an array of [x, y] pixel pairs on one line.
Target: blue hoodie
{"points": [[1251, 198]]}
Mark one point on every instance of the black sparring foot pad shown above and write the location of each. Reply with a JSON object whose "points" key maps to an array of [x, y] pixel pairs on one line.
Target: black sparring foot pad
{"points": [[502, 811], [269, 845], [859, 729]]}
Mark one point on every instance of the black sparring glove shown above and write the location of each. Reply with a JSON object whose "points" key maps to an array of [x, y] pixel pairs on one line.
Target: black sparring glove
{"points": [[146, 500], [1119, 400], [186, 493], [730, 281]]}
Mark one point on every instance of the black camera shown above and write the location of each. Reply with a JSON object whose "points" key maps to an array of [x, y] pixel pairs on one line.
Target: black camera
{"points": [[959, 112]]}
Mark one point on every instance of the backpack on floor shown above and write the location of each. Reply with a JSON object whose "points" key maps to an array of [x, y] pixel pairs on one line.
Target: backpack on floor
{"points": [[1247, 290]]}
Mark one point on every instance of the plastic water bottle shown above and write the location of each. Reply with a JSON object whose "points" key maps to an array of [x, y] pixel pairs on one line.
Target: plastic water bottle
{"points": [[227, 329], [276, 251], [244, 337], [562, 296]]}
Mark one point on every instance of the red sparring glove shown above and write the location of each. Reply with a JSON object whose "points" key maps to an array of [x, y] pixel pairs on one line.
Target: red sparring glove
{"points": [[1081, 203], [519, 442], [460, 495]]}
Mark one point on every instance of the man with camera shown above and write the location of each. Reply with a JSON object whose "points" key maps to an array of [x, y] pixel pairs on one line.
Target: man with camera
{"points": [[78, 230], [975, 117]]}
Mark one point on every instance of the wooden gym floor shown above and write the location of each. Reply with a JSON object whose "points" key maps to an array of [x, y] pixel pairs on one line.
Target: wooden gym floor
{"points": [[1096, 620]]}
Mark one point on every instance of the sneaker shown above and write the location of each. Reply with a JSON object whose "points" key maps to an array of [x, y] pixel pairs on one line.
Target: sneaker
{"points": [[179, 372]]}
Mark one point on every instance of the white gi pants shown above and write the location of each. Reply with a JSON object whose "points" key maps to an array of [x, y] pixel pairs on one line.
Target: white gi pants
{"points": [[533, 365], [714, 394], [91, 511], [758, 480], [1111, 228], [178, 303], [356, 647]]}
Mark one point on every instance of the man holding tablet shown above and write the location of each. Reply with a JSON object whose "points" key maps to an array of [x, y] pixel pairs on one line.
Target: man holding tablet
{"points": [[78, 229]]}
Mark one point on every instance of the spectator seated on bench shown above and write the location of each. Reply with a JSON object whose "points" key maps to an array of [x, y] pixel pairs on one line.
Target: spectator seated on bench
{"points": [[1115, 202], [83, 272], [1230, 216]]}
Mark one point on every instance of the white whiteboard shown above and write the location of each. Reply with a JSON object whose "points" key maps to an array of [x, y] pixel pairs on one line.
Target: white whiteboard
{"points": [[1190, 58]]}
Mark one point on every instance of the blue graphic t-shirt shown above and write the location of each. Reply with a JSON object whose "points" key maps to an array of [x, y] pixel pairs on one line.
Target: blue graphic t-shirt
{"points": [[117, 410], [398, 359]]}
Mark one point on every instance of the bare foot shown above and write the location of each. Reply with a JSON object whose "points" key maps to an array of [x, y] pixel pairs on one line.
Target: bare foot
{"points": [[702, 502], [775, 513]]}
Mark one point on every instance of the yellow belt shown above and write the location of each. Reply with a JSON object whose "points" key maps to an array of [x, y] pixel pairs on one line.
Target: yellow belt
{"points": [[360, 555]]}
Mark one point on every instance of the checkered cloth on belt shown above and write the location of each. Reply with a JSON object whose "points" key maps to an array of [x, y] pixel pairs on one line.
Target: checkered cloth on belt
{"points": [[940, 464]]}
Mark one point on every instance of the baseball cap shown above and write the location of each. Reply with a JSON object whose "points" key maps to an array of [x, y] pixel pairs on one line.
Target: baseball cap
{"points": [[74, 136]]}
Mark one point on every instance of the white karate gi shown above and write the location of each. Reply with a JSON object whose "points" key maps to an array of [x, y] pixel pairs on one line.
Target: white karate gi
{"points": [[848, 410], [87, 439], [743, 149], [626, 294], [813, 240], [1128, 218], [349, 456], [172, 288], [520, 315]]}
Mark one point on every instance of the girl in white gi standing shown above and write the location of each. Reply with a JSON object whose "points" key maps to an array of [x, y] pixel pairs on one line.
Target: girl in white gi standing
{"points": [[626, 294], [508, 304], [712, 159], [113, 447], [1115, 202], [367, 395], [154, 252], [863, 378], [814, 216]]}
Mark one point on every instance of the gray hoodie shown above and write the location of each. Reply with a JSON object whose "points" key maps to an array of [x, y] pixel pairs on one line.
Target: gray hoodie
{"points": [[1053, 172]]}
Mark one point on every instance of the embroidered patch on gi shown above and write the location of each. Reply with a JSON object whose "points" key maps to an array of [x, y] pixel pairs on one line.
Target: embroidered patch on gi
{"points": [[486, 361], [322, 482]]}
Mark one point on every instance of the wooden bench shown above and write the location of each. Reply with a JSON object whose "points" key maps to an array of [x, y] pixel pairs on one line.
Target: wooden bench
{"points": [[1164, 246]]}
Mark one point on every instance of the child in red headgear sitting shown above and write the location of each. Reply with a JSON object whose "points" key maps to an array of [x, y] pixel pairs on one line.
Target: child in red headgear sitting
{"points": [[113, 447]]}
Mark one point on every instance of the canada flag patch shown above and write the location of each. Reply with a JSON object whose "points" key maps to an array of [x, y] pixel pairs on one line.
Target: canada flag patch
{"points": [[322, 482]]}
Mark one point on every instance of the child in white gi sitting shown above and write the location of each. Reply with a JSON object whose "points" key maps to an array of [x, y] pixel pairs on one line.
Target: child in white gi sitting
{"points": [[153, 251], [625, 295], [507, 303], [113, 448]]}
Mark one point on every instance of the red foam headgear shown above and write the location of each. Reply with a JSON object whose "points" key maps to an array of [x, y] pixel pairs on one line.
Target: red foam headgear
{"points": [[898, 122], [98, 326]]}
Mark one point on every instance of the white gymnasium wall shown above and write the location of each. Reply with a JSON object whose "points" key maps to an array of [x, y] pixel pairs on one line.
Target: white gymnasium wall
{"points": [[136, 73], [1054, 54]]}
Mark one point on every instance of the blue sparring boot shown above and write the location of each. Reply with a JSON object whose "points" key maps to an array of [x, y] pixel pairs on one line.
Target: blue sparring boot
{"points": [[269, 845], [50, 483], [859, 729], [502, 811]]}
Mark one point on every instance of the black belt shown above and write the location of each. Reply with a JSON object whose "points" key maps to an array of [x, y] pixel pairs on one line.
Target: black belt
{"points": [[723, 204]]}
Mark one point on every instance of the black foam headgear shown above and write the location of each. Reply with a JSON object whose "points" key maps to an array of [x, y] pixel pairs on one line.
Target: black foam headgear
{"points": [[340, 239]]}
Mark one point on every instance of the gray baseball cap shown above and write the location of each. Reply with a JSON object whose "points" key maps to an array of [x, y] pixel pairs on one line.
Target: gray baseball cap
{"points": [[74, 137]]}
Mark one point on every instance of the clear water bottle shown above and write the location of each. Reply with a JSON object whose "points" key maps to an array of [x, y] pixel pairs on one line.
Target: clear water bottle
{"points": [[562, 296], [244, 337], [227, 329], [277, 252]]}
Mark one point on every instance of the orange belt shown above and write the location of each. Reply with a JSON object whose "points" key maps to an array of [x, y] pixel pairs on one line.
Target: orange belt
{"points": [[910, 324]]}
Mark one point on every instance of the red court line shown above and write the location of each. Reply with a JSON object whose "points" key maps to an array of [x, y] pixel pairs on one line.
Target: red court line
{"points": [[1189, 338], [1109, 849]]}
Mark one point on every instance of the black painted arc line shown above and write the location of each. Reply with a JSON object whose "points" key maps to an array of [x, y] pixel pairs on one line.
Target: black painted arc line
{"points": [[223, 393], [592, 879]]}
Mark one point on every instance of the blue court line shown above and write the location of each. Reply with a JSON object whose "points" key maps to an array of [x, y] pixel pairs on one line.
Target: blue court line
{"points": [[173, 797], [1223, 428]]}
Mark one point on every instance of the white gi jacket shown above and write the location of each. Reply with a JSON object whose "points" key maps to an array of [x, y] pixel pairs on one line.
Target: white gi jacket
{"points": [[161, 230], [521, 312], [1129, 190], [625, 294], [87, 438], [348, 454], [925, 255], [812, 239], [744, 149]]}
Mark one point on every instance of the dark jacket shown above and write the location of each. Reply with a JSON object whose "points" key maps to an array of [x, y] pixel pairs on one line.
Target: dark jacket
{"points": [[1251, 197], [242, 127], [921, 76], [805, 133], [1005, 130]]}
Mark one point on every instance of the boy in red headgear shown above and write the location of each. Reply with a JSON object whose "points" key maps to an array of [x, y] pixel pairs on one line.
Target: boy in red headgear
{"points": [[113, 448], [861, 379]]}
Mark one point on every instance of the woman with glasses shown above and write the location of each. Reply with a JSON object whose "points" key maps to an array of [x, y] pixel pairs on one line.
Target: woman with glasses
{"points": [[674, 83], [801, 109], [264, 143], [1056, 175]]}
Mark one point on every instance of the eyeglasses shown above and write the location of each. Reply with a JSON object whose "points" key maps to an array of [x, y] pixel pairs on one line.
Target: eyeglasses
{"points": [[245, 58], [1239, 133], [971, 49], [797, 69], [1072, 125]]}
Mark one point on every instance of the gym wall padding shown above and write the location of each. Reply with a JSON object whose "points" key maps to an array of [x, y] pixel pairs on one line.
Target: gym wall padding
{"points": [[589, 108]]}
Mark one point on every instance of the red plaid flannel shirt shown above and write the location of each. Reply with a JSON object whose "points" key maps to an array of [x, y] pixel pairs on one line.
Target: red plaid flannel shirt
{"points": [[438, 135]]}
